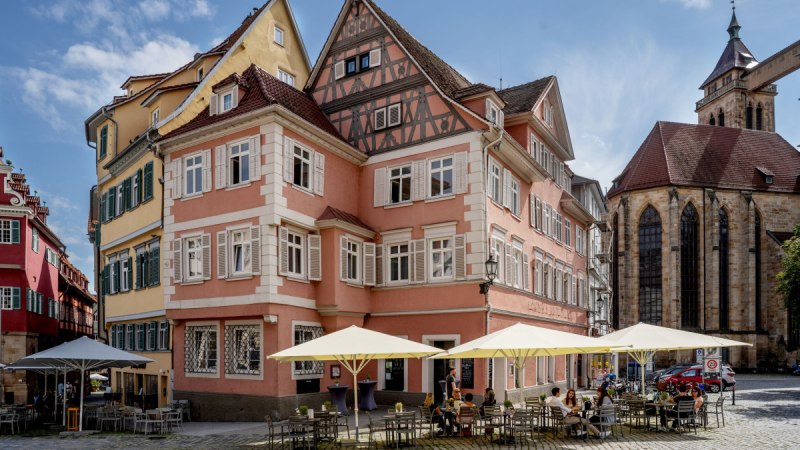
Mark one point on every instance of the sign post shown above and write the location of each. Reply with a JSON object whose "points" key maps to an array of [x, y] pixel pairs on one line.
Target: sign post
{"points": [[711, 364]]}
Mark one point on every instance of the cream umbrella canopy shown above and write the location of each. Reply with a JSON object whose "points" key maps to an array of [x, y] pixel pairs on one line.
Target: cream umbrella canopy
{"points": [[643, 340], [354, 348]]}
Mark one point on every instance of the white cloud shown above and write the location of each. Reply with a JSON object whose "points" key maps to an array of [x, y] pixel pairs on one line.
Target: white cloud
{"points": [[155, 9], [692, 4]]}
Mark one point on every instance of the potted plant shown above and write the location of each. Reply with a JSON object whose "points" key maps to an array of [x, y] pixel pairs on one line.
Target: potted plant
{"points": [[611, 392], [587, 402], [327, 405], [368, 377], [664, 396], [542, 396], [336, 381], [303, 410], [508, 404], [398, 407]]}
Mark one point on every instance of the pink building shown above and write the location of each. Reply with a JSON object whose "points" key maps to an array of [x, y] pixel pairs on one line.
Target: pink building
{"points": [[36, 288], [373, 198]]}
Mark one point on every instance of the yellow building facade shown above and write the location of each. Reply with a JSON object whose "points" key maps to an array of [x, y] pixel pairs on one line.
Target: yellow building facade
{"points": [[126, 225]]}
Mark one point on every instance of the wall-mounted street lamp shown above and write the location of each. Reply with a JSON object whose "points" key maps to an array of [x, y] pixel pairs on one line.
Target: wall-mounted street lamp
{"points": [[491, 274]]}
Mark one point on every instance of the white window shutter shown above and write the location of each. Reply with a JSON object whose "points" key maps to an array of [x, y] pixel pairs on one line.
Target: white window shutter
{"points": [[283, 251], [235, 97], [338, 70], [460, 259], [213, 102], [207, 170], [222, 254], [319, 173], [460, 172], [255, 157], [255, 249], [379, 187], [418, 174], [506, 188], [177, 259], [418, 249], [288, 161], [343, 258], [510, 269], [379, 121], [394, 113], [379, 265], [526, 276], [375, 57], [314, 257], [177, 178], [221, 153], [369, 264], [206, 256], [532, 209]]}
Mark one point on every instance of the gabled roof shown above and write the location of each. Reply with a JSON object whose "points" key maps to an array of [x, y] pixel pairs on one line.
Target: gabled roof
{"points": [[176, 87], [472, 89], [143, 77], [262, 90], [524, 97], [332, 213], [709, 156]]}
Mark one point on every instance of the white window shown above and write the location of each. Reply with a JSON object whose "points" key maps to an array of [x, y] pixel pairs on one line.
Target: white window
{"points": [[514, 200], [239, 163], [549, 276], [495, 182], [286, 77], [295, 243], [400, 184], [541, 365], [518, 268], [201, 351], [493, 113], [387, 117], [193, 173], [35, 240], [547, 112], [557, 283], [194, 258], [538, 214], [302, 167], [240, 252], [498, 251], [567, 232], [441, 177], [546, 220], [200, 74], [441, 262], [242, 349], [154, 117], [140, 336], [120, 206], [113, 275], [226, 101], [6, 298], [398, 262], [551, 369], [353, 266], [125, 273], [579, 240], [278, 36], [558, 227], [135, 182], [538, 275], [163, 335], [9, 232]]}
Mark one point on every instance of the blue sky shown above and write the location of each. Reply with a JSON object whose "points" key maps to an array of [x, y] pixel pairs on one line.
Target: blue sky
{"points": [[621, 65]]}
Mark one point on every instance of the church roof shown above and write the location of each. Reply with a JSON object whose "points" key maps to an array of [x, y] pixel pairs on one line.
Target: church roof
{"points": [[709, 156], [735, 56]]}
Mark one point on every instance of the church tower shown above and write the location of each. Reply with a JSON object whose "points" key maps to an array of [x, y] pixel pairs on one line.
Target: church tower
{"points": [[729, 100]]}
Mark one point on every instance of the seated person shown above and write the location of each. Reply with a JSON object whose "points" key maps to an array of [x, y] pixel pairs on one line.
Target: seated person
{"points": [[683, 396], [488, 400], [466, 404], [437, 417], [570, 417]]}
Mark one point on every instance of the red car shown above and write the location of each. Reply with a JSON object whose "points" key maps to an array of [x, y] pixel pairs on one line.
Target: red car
{"points": [[692, 375]]}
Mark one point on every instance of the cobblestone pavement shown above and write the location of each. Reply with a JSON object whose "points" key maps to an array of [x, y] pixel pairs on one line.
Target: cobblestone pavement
{"points": [[766, 415]]}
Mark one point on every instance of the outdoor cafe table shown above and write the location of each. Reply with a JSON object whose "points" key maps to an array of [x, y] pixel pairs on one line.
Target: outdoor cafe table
{"points": [[287, 428], [393, 422], [338, 395], [504, 417], [366, 395]]}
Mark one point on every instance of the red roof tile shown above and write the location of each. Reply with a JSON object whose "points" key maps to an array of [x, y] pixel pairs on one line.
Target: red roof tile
{"points": [[709, 156], [264, 90], [332, 213]]}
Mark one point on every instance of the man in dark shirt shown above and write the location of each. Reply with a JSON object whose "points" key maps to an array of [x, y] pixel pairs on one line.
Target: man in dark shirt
{"points": [[683, 396], [450, 381]]}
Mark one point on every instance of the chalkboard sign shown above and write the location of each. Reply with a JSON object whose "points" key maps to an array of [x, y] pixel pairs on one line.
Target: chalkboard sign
{"points": [[467, 373]]}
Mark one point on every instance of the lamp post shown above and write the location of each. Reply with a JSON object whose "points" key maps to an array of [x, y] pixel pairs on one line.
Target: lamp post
{"points": [[491, 274]]}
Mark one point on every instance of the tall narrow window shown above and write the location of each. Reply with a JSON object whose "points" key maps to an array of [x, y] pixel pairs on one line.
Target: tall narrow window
{"points": [[721, 118], [615, 273], [689, 283], [302, 167], [759, 117], [712, 121], [757, 246], [723, 270], [194, 258], [650, 296], [398, 262], [748, 117], [400, 184], [295, 243], [441, 258], [193, 173], [239, 163], [441, 172], [240, 246]]}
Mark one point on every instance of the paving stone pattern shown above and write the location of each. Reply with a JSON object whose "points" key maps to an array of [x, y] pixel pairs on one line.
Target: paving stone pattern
{"points": [[766, 415]]}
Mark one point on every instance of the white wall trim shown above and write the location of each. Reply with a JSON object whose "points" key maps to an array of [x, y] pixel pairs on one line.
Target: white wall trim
{"points": [[427, 364], [426, 147], [137, 316], [278, 299], [427, 312], [131, 235], [219, 219]]}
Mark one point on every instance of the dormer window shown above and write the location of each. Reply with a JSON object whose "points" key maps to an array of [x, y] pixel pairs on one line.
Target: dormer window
{"points": [[493, 113], [224, 98], [766, 174], [227, 102], [200, 74]]}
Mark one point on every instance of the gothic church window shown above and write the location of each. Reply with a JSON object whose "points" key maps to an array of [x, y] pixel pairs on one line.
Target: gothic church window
{"points": [[650, 295], [721, 118], [689, 281], [711, 121], [748, 117], [759, 117]]}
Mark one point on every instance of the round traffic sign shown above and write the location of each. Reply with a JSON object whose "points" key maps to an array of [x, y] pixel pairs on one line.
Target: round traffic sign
{"points": [[711, 364]]}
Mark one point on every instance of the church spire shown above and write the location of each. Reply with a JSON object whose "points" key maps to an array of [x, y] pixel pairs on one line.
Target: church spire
{"points": [[733, 28]]}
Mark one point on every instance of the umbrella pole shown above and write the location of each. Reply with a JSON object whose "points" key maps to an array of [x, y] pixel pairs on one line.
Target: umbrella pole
{"points": [[64, 401], [55, 399], [80, 415]]}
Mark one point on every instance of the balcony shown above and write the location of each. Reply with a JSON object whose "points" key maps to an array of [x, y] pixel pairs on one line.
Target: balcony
{"points": [[735, 84]]}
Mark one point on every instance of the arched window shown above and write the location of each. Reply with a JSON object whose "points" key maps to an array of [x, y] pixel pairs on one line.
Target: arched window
{"points": [[721, 118], [748, 117], [759, 117], [724, 290], [757, 246], [689, 284], [650, 297], [711, 121], [615, 273]]}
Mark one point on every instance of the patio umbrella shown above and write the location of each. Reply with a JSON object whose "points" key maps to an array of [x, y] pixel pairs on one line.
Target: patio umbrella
{"points": [[98, 377], [82, 354], [643, 340], [354, 348], [521, 341]]}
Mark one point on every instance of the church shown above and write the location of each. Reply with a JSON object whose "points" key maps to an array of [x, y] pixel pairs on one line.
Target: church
{"points": [[700, 212]]}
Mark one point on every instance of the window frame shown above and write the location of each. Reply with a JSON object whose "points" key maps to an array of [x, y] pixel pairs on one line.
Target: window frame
{"points": [[233, 349], [244, 162], [246, 252], [302, 248], [302, 161], [196, 171], [278, 35], [402, 178], [403, 259], [35, 239], [353, 256], [286, 77], [211, 345], [228, 93], [440, 170], [124, 270], [495, 182], [187, 252], [442, 251], [155, 117], [515, 188]]}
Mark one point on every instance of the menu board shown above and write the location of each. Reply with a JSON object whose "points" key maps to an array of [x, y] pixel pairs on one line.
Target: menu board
{"points": [[467, 373]]}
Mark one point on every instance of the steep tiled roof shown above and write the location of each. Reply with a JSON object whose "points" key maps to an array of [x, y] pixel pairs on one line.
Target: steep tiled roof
{"points": [[473, 89], [264, 90], [709, 156], [522, 98], [736, 55], [332, 213], [230, 79], [443, 75]]}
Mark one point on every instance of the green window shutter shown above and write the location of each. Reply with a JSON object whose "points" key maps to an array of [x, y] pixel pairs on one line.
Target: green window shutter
{"points": [[112, 201], [139, 271], [145, 269], [104, 280], [139, 183], [102, 207], [148, 181], [97, 234], [154, 266], [28, 299], [15, 301], [117, 275], [113, 334], [126, 194], [103, 141], [130, 272], [15, 231]]}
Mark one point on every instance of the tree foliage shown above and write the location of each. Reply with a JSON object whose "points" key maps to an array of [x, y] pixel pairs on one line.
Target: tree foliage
{"points": [[789, 277]]}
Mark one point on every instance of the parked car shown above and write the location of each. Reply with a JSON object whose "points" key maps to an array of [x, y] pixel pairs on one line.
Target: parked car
{"points": [[670, 370], [728, 376], [694, 374]]}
